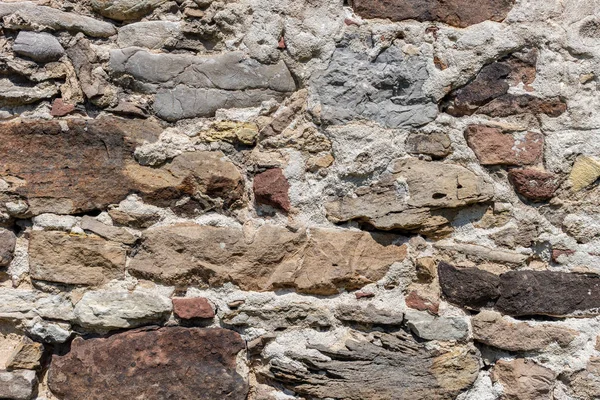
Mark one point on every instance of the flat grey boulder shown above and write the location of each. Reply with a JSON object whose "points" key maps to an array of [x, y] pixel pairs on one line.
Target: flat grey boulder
{"points": [[40, 47]]}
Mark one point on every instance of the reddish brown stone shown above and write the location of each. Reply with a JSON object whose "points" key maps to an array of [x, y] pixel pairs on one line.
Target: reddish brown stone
{"points": [[534, 184], [460, 13], [166, 363], [415, 301], [510, 104], [8, 241], [271, 187], [60, 108], [192, 308], [364, 295], [493, 147], [558, 252]]}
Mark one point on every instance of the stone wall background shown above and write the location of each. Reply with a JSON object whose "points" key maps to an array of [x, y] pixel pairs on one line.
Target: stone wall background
{"points": [[299, 199]]}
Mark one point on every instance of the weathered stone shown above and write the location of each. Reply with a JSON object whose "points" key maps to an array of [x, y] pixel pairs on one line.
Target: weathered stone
{"points": [[271, 187], [108, 232], [8, 241], [317, 261], [20, 304], [468, 287], [104, 310], [279, 315], [429, 327], [524, 380], [389, 366], [387, 90], [181, 363], [60, 108], [483, 253], [436, 144], [196, 86], [49, 332], [30, 16], [406, 199], [123, 10], [492, 147], [534, 184], [150, 34], [39, 162], [415, 301], [490, 328], [54, 222], [12, 95], [585, 384], [455, 12], [17, 385], [41, 47], [369, 314], [510, 104], [549, 293], [76, 260], [586, 171], [26, 355], [192, 308], [244, 133]]}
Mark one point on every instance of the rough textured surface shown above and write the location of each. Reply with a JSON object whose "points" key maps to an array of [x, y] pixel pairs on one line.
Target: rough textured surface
{"points": [[40, 47], [524, 379], [17, 385], [151, 363], [534, 184], [7, 246], [271, 187], [192, 308], [492, 147]]}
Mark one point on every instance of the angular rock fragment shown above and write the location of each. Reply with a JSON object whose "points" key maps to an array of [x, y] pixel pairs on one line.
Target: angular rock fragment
{"points": [[40, 47], [17, 385], [108, 232], [468, 287], [244, 133], [429, 327], [26, 355], [191, 308], [585, 384], [318, 261], [585, 172], [123, 10], [196, 86], [389, 366], [105, 310], [76, 260], [49, 332], [27, 15], [407, 199], [279, 315], [436, 144], [8, 241], [22, 304], [271, 187], [534, 184], [490, 328], [454, 12], [510, 104], [369, 314], [165, 363], [12, 95], [524, 379], [149, 34], [493, 147]]}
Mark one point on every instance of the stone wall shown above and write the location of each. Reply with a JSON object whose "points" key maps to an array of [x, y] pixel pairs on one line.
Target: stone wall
{"points": [[315, 199]]}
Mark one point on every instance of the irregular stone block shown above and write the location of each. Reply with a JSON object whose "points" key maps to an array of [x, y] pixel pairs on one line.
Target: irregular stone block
{"points": [[196, 86], [17, 385], [26, 355], [369, 314], [534, 184], [493, 147], [76, 260], [192, 308], [511, 104], [436, 144], [244, 133], [586, 171], [104, 310], [41, 47], [468, 287], [21, 304], [8, 241], [177, 363], [490, 328], [454, 12], [123, 10], [150, 34], [429, 327], [524, 379], [279, 315], [318, 261], [49, 332], [389, 366], [12, 95], [387, 90], [271, 187], [585, 384], [30, 16], [108, 232]]}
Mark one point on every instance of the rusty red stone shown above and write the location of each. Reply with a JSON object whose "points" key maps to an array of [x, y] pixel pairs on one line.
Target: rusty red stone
{"points": [[271, 188], [192, 308], [534, 184]]}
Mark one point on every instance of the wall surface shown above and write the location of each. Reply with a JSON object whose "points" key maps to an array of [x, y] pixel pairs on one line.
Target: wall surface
{"points": [[313, 199]]}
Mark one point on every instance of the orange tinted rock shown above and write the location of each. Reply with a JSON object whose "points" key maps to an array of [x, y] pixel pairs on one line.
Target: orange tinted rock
{"points": [[192, 308]]}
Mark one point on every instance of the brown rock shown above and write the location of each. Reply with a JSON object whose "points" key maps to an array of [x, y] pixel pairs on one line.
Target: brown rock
{"points": [[166, 363], [8, 241], [468, 287], [60, 108], [319, 261], [192, 308], [271, 187], [524, 380], [492, 147], [77, 260], [415, 301], [586, 384], [510, 104], [534, 184], [108, 232], [490, 328], [456, 12], [26, 355], [436, 144]]}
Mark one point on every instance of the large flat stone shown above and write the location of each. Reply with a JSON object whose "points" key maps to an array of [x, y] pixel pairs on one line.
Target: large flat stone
{"points": [[318, 261], [17, 385], [77, 260], [167, 363], [41, 47], [468, 287], [123, 10], [22, 304], [494, 147], [524, 379], [455, 12]]}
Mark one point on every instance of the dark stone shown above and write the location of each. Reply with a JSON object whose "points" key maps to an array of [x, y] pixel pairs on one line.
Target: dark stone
{"points": [[460, 13], [511, 104], [548, 293], [469, 287], [159, 364], [271, 187], [60, 108], [8, 241], [534, 184]]}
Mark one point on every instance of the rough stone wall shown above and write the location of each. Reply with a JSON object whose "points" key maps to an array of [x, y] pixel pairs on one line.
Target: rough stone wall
{"points": [[314, 199]]}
